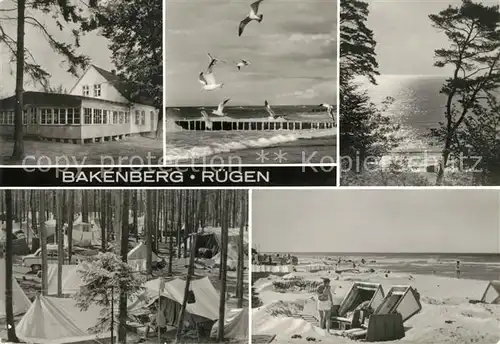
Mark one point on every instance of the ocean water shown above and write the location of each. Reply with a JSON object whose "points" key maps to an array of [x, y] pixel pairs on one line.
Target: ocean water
{"points": [[191, 146], [418, 106], [473, 266]]}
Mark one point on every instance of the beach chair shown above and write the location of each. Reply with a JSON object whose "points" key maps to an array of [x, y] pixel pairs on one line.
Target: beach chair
{"points": [[380, 328], [402, 299], [371, 294]]}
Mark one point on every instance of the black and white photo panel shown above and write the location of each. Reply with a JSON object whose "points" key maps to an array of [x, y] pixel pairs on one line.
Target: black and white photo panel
{"points": [[420, 92], [77, 88], [251, 82], [111, 266], [379, 265]]}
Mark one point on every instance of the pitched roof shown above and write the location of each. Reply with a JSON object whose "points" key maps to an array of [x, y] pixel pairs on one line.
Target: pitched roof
{"points": [[114, 80], [121, 86]]}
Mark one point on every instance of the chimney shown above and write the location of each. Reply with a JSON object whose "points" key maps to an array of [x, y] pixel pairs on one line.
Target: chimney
{"points": [[113, 71]]}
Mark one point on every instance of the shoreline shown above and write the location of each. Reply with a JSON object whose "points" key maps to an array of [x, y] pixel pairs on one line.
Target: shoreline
{"points": [[302, 150]]}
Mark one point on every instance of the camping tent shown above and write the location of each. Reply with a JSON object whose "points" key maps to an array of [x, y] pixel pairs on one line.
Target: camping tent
{"points": [[137, 257], [204, 309], [71, 279], [236, 325], [492, 293], [57, 321], [86, 234], [20, 301], [211, 238]]}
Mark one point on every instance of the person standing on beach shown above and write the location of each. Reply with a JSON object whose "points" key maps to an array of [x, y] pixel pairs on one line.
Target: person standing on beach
{"points": [[458, 269], [325, 304]]}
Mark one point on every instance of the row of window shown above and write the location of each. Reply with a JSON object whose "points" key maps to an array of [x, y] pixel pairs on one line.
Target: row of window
{"points": [[72, 116], [99, 116], [86, 90]]}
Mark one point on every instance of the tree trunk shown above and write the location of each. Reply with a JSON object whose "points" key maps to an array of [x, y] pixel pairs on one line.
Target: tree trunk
{"points": [[187, 222], [33, 210], [122, 332], [60, 244], [85, 206], [71, 220], [134, 210], [149, 232], [18, 152], [444, 160], [118, 204], [241, 253], [9, 306], [171, 232], [157, 222], [201, 209], [43, 242], [223, 267], [179, 224], [103, 221], [180, 323]]}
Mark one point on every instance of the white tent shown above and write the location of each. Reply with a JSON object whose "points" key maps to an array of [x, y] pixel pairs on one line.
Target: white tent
{"points": [[207, 298], [86, 234], [20, 301], [71, 279], [57, 321], [236, 325], [492, 293], [232, 245], [137, 257]]}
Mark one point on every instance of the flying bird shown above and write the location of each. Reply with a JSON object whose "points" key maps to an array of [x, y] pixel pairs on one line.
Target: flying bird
{"points": [[207, 79], [242, 63], [220, 108], [208, 122], [254, 9], [329, 109], [213, 61], [270, 111]]}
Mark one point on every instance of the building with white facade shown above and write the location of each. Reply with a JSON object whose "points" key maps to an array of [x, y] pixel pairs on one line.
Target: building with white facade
{"points": [[95, 110]]}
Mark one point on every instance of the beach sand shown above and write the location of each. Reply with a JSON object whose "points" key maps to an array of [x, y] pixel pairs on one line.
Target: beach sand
{"points": [[446, 315]]}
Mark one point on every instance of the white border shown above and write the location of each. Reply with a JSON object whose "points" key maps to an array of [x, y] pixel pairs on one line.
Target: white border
{"points": [[250, 266], [164, 102], [338, 94]]}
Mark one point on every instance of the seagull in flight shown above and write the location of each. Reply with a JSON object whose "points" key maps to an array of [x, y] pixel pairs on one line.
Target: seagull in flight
{"points": [[254, 9], [220, 108], [329, 109], [213, 61], [270, 111], [208, 122], [207, 79], [242, 63]]}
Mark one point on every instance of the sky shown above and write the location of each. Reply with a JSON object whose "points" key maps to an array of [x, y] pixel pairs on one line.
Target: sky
{"points": [[92, 45], [405, 38], [292, 51], [400, 221]]}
